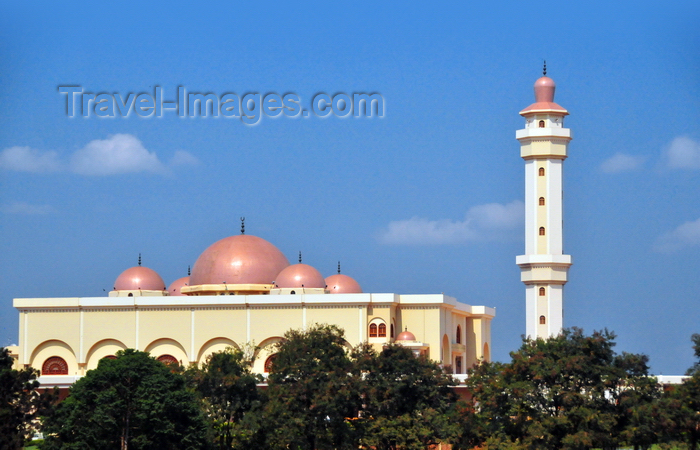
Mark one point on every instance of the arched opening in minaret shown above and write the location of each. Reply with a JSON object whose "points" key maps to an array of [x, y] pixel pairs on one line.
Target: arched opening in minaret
{"points": [[543, 320], [541, 201], [541, 123], [541, 171], [542, 292], [541, 231]]}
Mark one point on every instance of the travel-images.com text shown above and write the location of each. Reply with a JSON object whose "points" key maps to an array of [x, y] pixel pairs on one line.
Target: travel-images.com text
{"points": [[250, 108]]}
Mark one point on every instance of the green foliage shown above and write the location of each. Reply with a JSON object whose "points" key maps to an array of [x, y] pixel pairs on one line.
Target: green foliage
{"points": [[131, 402], [696, 349], [312, 395], [567, 392], [20, 402], [408, 401], [228, 391], [323, 397], [684, 403]]}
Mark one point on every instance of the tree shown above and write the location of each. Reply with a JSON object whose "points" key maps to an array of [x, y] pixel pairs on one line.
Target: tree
{"points": [[685, 401], [408, 401], [228, 390], [313, 397], [20, 402], [695, 368], [567, 392], [131, 402]]}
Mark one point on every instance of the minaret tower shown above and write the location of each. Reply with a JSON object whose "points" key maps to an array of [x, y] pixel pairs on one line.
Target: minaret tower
{"points": [[544, 266]]}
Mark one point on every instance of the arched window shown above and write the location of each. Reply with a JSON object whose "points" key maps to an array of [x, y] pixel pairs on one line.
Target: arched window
{"points": [[391, 330], [269, 362], [541, 201], [168, 360], [541, 123], [54, 366], [543, 321], [541, 231], [542, 291], [382, 330], [373, 330], [541, 171], [458, 365], [293, 292], [459, 336]]}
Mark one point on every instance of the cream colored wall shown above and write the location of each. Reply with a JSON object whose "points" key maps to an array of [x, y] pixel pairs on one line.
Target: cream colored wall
{"points": [[165, 323], [191, 332], [44, 331], [427, 324], [470, 342], [349, 318], [108, 324], [266, 322], [53, 347], [482, 334], [214, 346], [105, 347], [215, 323]]}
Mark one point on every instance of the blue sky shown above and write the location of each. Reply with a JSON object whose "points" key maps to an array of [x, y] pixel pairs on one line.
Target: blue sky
{"points": [[423, 200]]}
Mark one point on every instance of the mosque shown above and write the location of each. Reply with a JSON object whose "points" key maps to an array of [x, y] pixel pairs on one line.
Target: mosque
{"points": [[243, 292]]}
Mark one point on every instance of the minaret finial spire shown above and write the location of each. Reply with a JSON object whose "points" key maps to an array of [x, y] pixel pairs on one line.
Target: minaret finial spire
{"points": [[299, 256], [242, 225], [544, 69], [139, 259], [338, 266], [189, 272]]}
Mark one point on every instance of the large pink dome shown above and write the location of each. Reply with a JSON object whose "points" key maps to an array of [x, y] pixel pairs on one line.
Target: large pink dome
{"points": [[300, 275], [241, 259], [175, 286], [139, 277], [342, 284]]}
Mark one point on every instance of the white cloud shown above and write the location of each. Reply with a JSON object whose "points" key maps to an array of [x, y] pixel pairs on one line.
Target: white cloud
{"points": [[25, 159], [684, 235], [683, 153], [488, 222], [183, 158], [622, 163], [27, 209], [119, 153]]}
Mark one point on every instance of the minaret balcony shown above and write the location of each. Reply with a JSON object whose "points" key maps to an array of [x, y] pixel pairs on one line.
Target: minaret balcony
{"points": [[534, 133]]}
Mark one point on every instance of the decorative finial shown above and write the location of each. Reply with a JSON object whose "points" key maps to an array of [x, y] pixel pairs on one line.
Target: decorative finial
{"points": [[544, 70], [299, 256], [242, 225], [405, 329], [139, 259], [189, 272], [338, 266]]}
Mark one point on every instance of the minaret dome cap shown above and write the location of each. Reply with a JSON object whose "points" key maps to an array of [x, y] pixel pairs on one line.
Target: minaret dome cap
{"points": [[544, 90]]}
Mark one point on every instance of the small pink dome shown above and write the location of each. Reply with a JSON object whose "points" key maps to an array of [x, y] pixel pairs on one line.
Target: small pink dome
{"points": [[241, 259], [544, 90], [342, 284], [406, 336], [175, 286], [139, 277], [300, 275]]}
